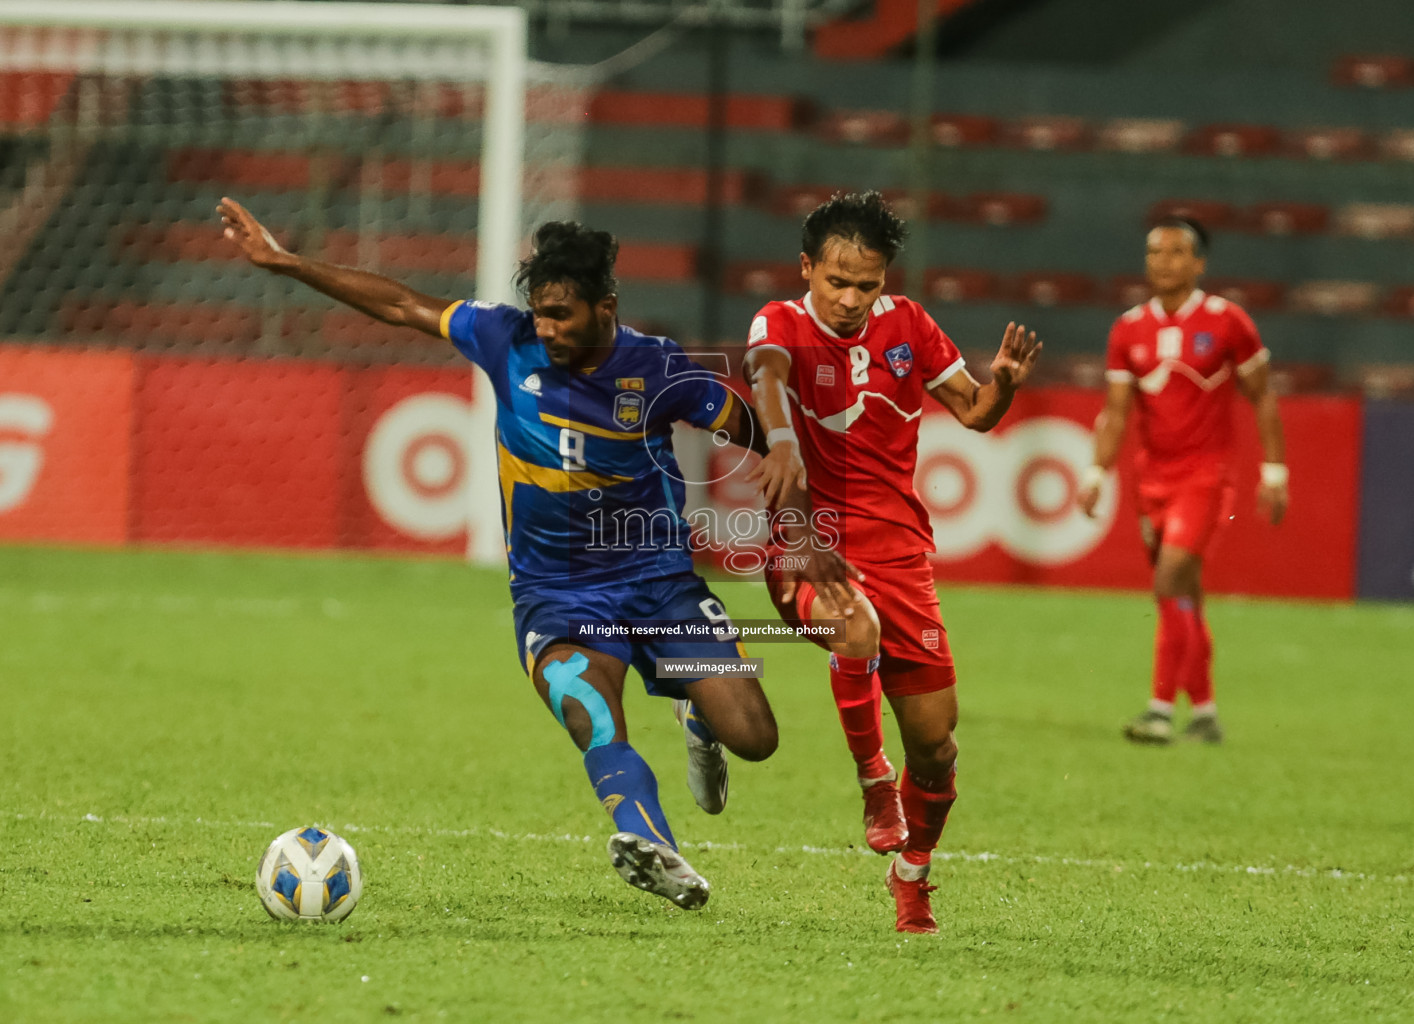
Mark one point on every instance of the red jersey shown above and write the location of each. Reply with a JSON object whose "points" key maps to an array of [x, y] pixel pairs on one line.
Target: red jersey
{"points": [[1183, 366], [855, 403]]}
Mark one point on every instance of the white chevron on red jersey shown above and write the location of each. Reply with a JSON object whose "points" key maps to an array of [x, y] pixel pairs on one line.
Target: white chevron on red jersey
{"points": [[1182, 366], [855, 403]]}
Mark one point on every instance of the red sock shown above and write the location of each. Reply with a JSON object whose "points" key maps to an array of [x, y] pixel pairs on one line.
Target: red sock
{"points": [[855, 684], [926, 803], [1171, 646], [1200, 666]]}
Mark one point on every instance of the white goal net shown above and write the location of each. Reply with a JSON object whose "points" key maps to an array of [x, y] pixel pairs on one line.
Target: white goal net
{"points": [[390, 136]]}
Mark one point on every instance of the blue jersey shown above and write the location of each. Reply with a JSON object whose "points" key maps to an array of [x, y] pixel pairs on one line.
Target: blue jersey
{"points": [[590, 490]]}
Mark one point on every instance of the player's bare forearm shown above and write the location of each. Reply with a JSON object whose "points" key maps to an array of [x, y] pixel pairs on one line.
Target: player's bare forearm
{"points": [[783, 464], [766, 373], [1269, 428], [380, 297], [1109, 425], [981, 407]]}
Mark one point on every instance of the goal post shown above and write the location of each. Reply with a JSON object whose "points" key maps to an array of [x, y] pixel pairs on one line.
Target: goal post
{"points": [[336, 41], [391, 136]]}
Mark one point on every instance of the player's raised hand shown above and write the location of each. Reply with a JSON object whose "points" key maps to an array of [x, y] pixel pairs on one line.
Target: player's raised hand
{"points": [[256, 242], [1017, 356], [779, 469]]}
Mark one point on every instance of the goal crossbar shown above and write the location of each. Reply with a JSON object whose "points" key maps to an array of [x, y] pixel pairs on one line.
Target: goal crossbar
{"points": [[452, 37]]}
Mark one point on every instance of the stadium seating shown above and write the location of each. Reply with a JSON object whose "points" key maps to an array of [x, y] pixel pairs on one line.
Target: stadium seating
{"points": [[1037, 205]]}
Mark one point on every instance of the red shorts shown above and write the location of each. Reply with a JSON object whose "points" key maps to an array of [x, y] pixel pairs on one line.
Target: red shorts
{"points": [[1184, 511], [914, 656]]}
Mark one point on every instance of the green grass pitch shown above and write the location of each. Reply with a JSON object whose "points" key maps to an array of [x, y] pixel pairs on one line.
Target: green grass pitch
{"points": [[163, 715]]}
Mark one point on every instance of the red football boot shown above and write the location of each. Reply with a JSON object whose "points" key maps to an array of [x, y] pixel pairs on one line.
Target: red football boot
{"points": [[884, 828], [914, 912]]}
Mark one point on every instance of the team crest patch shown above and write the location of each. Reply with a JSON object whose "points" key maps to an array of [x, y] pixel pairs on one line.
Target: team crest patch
{"points": [[825, 376], [628, 383], [930, 639], [1202, 343], [628, 410], [900, 359]]}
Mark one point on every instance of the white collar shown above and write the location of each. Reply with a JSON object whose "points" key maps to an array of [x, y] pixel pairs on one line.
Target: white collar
{"points": [[1194, 300]]}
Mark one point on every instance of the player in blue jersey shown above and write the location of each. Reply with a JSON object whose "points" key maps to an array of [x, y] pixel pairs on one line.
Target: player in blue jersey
{"points": [[591, 503]]}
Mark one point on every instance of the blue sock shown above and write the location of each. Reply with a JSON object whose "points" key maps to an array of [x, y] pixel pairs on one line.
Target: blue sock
{"points": [[625, 785]]}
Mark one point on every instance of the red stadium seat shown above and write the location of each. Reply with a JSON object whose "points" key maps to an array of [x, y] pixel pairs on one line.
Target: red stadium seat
{"points": [[1329, 143], [948, 284], [1081, 371], [938, 206], [1211, 213], [864, 127], [799, 200], [960, 130], [1334, 298], [1298, 378], [1399, 302], [29, 98], [1376, 220], [260, 169], [770, 280], [691, 110], [1249, 293], [148, 323], [1140, 135], [1286, 218], [1048, 133], [1125, 290], [1001, 208], [1398, 144], [1387, 71], [1386, 381], [1233, 140], [1061, 288]]}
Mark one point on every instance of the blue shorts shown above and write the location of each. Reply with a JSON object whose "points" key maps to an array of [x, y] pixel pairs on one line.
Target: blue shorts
{"points": [[543, 615]]}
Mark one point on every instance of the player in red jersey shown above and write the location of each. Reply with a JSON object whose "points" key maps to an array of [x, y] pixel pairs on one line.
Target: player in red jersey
{"points": [[1180, 359], [838, 378]]}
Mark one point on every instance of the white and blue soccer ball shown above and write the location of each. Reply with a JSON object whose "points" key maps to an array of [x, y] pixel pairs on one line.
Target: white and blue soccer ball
{"points": [[309, 874]]}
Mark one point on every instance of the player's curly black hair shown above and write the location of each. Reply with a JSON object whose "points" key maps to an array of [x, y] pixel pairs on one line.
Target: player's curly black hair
{"points": [[860, 217], [1201, 239], [568, 252]]}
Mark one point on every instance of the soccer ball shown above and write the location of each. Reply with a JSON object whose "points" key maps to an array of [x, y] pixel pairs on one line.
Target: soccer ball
{"points": [[309, 874]]}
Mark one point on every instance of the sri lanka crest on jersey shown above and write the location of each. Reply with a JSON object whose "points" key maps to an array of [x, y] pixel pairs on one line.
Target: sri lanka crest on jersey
{"points": [[628, 409], [900, 359]]}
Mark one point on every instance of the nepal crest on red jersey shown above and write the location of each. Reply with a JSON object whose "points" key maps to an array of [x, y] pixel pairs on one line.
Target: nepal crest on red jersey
{"points": [[1203, 343], [900, 359]]}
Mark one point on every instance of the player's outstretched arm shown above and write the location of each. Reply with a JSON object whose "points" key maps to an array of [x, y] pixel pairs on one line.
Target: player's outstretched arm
{"points": [[767, 370], [380, 297], [1109, 433], [981, 407], [1272, 493]]}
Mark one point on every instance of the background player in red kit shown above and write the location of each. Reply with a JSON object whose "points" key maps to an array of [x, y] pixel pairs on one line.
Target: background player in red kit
{"points": [[838, 378], [1180, 359]]}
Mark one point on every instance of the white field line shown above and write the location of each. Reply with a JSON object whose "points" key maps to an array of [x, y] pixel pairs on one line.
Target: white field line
{"points": [[960, 856]]}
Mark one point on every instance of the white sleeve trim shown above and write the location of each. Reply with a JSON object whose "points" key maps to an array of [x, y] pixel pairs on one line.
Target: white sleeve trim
{"points": [[759, 346], [1259, 358], [1119, 376], [957, 364]]}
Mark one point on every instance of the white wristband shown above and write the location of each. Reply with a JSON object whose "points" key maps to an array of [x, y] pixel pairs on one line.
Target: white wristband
{"points": [[1275, 474], [780, 434], [1093, 476]]}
